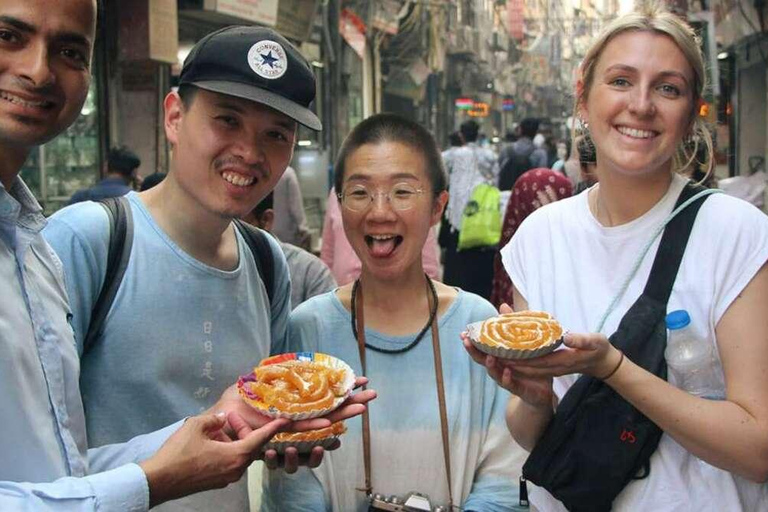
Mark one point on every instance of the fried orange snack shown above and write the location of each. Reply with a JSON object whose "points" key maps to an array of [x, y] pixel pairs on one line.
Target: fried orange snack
{"points": [[295, 387], [518, 335], [522, 330], [334, 430]]}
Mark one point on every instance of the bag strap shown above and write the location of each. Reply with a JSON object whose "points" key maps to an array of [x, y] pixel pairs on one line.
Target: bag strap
{"points": [[673, 243], [440, 397], [690, 194], [258, 243], [120, 242]]}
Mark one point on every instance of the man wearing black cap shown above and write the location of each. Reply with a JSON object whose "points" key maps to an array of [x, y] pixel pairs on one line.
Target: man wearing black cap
{"points": [[45, 462], [192, 313]]}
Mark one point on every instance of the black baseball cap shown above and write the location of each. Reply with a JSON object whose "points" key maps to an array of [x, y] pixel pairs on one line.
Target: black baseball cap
{"points": [[255, 63]]}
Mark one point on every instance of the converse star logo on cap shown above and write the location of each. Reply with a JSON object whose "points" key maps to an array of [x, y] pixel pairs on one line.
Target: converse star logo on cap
{"points": [[267, 59]]}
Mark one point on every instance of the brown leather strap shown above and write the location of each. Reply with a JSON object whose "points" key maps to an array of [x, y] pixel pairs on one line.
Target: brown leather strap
{"points": [[366, 419], [441, 402], [440, 394]]}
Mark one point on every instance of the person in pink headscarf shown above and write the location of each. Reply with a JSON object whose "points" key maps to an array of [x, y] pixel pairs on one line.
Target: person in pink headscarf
{"points": [[532, 190]]}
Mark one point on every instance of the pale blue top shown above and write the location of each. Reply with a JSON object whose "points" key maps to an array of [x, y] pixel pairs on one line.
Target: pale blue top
{"points": [[406, 443], [44, 462], [177, 335]]}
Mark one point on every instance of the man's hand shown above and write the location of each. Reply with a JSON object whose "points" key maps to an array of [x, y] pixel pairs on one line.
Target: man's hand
{"points": [[199, 457], [245, 416]]}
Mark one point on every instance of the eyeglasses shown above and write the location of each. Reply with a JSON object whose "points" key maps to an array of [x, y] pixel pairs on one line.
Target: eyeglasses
{"points": [[358, 198]]}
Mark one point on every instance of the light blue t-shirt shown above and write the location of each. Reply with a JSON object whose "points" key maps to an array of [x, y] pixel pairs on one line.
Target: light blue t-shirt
{"points": [[179, 331], [44, 464], [406, 443]]}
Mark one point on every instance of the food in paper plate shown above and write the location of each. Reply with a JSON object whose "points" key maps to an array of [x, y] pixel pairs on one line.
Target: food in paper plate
{"points": [[298, 385], [518, 335], [305, 441]]}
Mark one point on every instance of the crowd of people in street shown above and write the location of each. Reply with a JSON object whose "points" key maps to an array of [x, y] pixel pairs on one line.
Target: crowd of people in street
{"points": [[118, 385]]}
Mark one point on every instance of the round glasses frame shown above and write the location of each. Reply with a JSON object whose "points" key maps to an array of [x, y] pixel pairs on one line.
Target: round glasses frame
{"points": [[401, 197]]}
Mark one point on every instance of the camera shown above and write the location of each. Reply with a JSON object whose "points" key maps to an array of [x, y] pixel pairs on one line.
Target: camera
{"points": [[412, 502]]}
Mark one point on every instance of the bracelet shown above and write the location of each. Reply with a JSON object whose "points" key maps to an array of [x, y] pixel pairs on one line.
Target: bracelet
{"points": [[621, 360]]}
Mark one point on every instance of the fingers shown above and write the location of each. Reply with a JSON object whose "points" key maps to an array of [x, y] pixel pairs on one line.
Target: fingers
{"points": [[315, 457], [214, 429], [239, 425], [353, 406], [361, 397], [347, 411], [209, 424], [360, 381], [505, 308], [291, 460], [584, 341], [271, 460], [476, 355], [310, 424], [255, 440], [550, 192]]}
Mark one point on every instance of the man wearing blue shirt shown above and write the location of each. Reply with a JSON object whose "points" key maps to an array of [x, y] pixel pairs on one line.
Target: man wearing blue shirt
{"points": [[121, 173], [45, 56], [191, 313]]}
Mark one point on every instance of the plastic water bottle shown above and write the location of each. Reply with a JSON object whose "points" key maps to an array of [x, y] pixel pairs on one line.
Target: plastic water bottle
{"points": [[691, 360]]}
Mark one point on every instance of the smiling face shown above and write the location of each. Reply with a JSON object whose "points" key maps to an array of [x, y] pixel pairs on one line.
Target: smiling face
{"points": [[389, 242], [228, 152], [45, 56], [639, 105]]}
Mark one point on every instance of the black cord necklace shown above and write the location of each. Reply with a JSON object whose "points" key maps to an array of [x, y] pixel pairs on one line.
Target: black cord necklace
{"points": [[432, 314]]}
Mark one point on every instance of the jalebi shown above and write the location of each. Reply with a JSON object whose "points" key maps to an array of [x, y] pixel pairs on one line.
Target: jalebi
{"points": [[522, 330], [297, 386], [336, 429]]}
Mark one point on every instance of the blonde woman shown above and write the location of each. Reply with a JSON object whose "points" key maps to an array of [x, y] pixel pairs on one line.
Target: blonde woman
{"points": [[640, 86]]}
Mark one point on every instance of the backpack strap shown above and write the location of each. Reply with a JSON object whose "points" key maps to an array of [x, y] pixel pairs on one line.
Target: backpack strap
{"points": [[120, 241], [262, 254]]}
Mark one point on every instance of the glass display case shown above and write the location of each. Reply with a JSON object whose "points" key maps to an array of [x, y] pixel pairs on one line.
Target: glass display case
{"points": [[69, 162]]}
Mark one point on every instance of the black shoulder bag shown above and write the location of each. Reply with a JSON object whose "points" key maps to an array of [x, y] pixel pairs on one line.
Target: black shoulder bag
{"points": [[597, 442]]}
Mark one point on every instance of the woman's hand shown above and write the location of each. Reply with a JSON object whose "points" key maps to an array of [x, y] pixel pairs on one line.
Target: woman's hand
{"points": [[590, 354], [545, 196], [535, 391]]}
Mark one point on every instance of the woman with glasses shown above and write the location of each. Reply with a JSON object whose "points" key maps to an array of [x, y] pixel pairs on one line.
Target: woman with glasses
{"points": [[437, 427]]}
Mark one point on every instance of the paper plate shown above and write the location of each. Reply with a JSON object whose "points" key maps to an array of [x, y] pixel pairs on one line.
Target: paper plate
{"points": [[304, 446], [475, 328], [254, 401]]}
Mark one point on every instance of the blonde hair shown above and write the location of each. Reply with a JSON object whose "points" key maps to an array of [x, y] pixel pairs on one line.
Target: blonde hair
{"points": [[652, 17]]}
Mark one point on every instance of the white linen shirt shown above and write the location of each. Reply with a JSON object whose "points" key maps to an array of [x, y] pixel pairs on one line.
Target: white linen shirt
{"points": [[45, 462]]}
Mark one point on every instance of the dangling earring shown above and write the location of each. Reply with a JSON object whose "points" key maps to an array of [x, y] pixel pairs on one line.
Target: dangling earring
{"points": [[583, 127]]}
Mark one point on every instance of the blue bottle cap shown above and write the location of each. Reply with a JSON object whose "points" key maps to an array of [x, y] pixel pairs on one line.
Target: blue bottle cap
{"points": [[678, 319]]}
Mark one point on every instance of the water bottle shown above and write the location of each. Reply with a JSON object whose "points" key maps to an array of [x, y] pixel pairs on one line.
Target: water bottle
{"points": [[691, 360]]}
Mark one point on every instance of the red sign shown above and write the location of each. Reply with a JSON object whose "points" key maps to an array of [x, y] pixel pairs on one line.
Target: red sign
{"points": [[352, 29]]}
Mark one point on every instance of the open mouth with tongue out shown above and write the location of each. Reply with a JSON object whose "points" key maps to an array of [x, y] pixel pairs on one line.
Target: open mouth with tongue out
{"points": [[382, 246]]}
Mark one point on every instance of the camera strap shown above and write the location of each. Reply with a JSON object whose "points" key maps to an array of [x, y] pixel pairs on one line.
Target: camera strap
{"points": [[360, 324]]}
